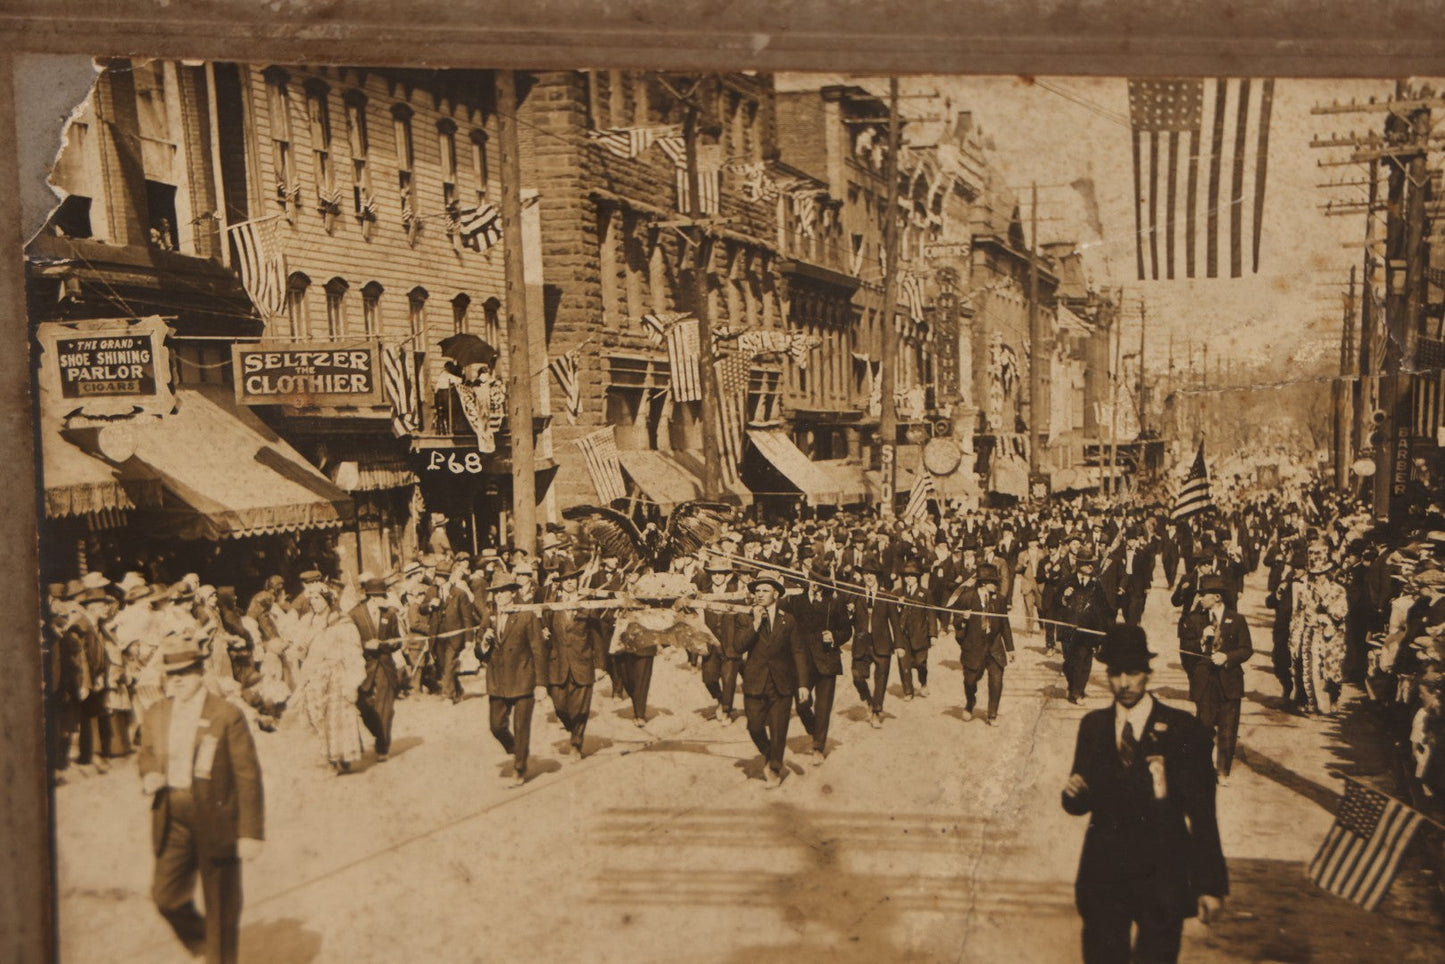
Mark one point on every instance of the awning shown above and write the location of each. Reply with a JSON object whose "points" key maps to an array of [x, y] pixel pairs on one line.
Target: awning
{"points": [[817, 485], [77, 482], [848, 478], [236, 476], [670, 478]]}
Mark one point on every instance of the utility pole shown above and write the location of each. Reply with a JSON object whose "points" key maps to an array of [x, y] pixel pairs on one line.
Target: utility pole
{"points": [[1369, 319], [888, 418], [1342, 390], [712, 476], [1114, 396], [519, 354], [1036, 339], [1143, 385]]}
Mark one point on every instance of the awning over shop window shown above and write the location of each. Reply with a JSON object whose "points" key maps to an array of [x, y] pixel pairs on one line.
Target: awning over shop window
{"points": [[817, 485], [235, 475], [669, 478], [78, 483], [848, 478]]}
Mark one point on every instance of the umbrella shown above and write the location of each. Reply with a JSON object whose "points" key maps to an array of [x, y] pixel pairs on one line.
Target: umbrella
{"points": [[468, 349]]}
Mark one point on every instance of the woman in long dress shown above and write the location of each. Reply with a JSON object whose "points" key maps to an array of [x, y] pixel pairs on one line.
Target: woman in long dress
{"points": [[333, 671], [1317, 633]]}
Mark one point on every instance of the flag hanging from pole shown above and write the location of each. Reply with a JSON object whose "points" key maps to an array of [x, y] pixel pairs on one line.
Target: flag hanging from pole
{"points": [[732, 369], [604, 464], [564, 369], [480, 227], [683, 351], [258, 256], [923, 490], [401, 377], [1236, 115], [1361, 853], [1194, 496]]}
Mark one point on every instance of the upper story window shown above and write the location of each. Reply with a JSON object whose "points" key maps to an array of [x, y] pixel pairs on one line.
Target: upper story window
{"points": [[401, 116], [416, 305], [296, 286], [371, 308], [336, 290], [480, 169], [461, 306], [318, 117], [447, 149], [358, 142], [283, 157]]}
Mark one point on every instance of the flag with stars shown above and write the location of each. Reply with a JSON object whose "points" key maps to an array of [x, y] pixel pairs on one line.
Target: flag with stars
{"points": [[1361, 853]]}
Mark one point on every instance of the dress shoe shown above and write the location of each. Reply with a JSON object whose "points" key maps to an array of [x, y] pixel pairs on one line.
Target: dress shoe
{"points": [[818, 757], [639, 722], [876, 721], [518, 780], [967, 716], [771, 780], [923, 691], [990, 721], [908, 697]]}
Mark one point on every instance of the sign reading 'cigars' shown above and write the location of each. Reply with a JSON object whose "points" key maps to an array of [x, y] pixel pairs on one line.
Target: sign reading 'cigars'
{"points": [[106, 368], [308, 374]]}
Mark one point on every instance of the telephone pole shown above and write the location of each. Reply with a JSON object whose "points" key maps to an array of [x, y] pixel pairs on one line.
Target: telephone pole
{"points": [[1342, 391], [519, 354], [712, 475], [888, 417], [1143, 385], [1036, 339]]}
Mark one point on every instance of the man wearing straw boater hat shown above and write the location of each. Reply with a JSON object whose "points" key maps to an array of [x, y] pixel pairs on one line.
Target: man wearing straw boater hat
{"points": [[1152, 856], [198, 763]]}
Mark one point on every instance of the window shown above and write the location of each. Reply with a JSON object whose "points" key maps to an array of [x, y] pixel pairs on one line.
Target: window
{"points": [[460, 305], [296, 286], [318, 115], [492, 311], [480, 170], [278, 100], [357, 141], [447, 147], [336, 307], [416, 308], [371, 308], [617, 98], [72, 218], [405, 159], [161, 210]]}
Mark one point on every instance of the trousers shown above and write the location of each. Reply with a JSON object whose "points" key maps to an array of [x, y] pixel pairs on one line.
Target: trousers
{"points": [[720, 676], [173, 887], [1078, 662], [768, 715], [815, 718], [512, 726], [573, 703], [636, 675], [995, 686], [1220, 716], [910, 660]]}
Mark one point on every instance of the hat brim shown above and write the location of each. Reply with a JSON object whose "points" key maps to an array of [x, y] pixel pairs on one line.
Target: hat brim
{"points": [[755, 584]]}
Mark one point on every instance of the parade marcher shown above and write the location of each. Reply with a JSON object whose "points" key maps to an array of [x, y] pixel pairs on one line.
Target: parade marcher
{"points": [[453, 618], [872, 642], [604, 582], [1151, 856], [986, 643], [199, 766], [1282, 578], [1135, 576], [771, 676], [327, 692], [514, 649], [634, 669], [1086, 613], [571, 664], [1030, 584], [721, 665], [1317, 633], [913, 626], [823, 628], [1214, 644], [379, 637]]}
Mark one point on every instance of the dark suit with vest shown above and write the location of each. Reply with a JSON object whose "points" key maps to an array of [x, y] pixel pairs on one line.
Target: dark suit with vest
{"points": [[984, 643], [822, 661], [1216, 691], [1152, 847], [571, 668], [913, 626], [872, 645], [517, 649], [775, 662], [455, 614], [1086, 611], [194, 830], [376, 698]]}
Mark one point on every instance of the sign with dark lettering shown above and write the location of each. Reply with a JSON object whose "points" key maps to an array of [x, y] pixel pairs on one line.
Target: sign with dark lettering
{"points": [[308, 374], [106, 368]]}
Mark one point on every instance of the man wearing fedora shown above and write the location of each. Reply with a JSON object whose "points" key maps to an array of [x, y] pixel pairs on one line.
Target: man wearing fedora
{"points": [[770, 675], [452, 620], [721, 665], [571, 664], [198, 764], [913, 624], [514, 650], [823, 629], [1151, 855], [872, 641], [1214, 644], [1086, 612], [985, 640], [379, 636]]}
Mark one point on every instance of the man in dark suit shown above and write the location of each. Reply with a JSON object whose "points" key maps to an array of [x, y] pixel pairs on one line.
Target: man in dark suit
{"points": [[872, 643], [774, 664], [199, 765], [1151, 855], [823, 627], [571, 664], [1134, 575], [1213, 646], [514, 650], [380, 636], [986, 642], [452, 618], [913, 624], [721, 665], [1086, 613]]}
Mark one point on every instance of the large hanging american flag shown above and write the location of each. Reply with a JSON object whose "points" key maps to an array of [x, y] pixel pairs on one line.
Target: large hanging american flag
{"points": [[732, 369], [1194, 496], [709, 174], [923, 490], [480, 227], [1361, 853], [604, 464], [401, 377], [683, 353], [258, 256], [1236, 114]]}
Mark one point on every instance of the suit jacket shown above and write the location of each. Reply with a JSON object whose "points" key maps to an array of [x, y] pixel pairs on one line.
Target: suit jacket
{"points": [[1136, 843], [912, 625], [1083, 607], [731, 629], [570, 646], [872, 632], [229, 800], [1231, 638], [378, 641], [982, 638], [830, 613], [775, 658], [515, 655], [456, 612]]}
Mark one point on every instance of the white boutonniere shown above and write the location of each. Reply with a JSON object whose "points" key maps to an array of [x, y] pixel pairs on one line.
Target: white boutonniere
{"points": [[1156, 772]]}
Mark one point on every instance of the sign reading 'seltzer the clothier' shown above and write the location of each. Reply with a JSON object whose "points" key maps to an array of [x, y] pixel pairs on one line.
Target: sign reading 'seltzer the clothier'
{"points": [[106, 367], [307, 374]]}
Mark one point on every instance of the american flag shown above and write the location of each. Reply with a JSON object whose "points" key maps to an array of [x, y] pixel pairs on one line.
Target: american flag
{"points": [[604, 464], [656, 326], [709, 174], [480, 226], [923, 490], [401, 377], [1194, 496], [564, 369], [1237, 115], [259, 258], [1361, 853], [629, 142], [732, 369], [912, 289], [683, 352]]}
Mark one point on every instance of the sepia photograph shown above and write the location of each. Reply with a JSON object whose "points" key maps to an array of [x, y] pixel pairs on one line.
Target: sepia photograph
{"points": [[660, 515]]}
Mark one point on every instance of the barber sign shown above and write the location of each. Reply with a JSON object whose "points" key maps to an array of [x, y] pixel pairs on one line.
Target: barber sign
{"points": [[308, 374]]}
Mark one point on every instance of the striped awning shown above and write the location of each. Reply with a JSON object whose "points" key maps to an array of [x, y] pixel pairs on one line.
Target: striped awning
{"points": [[666, 480], [817, 485]]}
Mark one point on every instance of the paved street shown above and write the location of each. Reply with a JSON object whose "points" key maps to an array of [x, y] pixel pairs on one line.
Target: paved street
{"points": [[930, 840]]}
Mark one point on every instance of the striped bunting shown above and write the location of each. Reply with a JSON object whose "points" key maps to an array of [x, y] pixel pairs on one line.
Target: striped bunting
{"points": [[1361, 853], [733, 369], [683, 353], [480, 227], [630, 142], [923, 490]]}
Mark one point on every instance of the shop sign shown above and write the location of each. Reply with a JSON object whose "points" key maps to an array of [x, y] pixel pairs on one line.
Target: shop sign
{"points": [[308, 374], [105, 368], [459, 463]]}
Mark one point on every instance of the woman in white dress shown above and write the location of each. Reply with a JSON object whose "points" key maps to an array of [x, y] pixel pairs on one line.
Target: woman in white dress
{"points": [[1317, 633], [333, 671]]}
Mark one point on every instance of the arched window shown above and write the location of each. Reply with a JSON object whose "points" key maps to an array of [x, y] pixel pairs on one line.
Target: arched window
{"points": [[336, 307], [492, 311], [358, 142], [405, 160], [371, 308], [460, 305], [296, 286], [480, 170], [416, 306]]}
